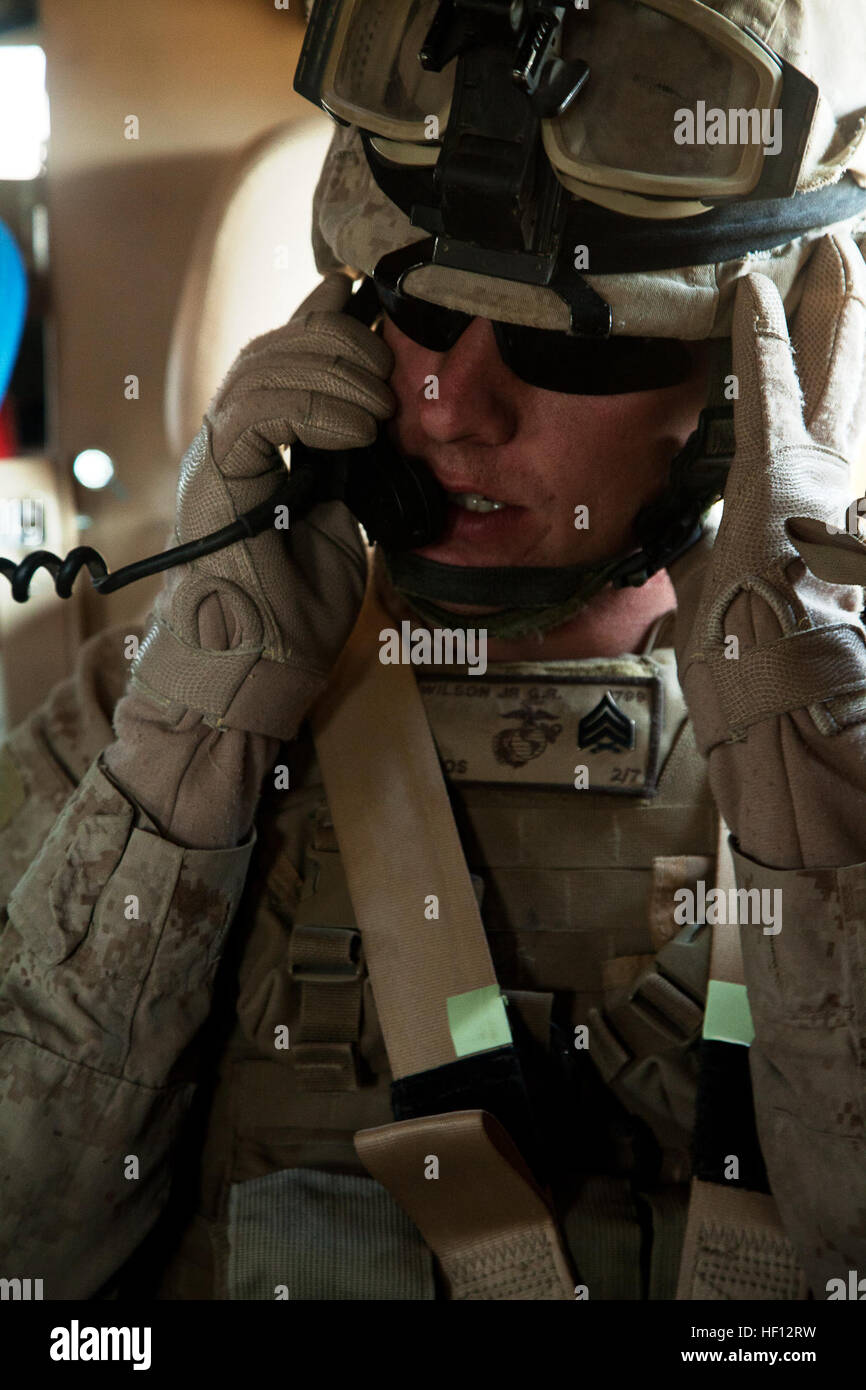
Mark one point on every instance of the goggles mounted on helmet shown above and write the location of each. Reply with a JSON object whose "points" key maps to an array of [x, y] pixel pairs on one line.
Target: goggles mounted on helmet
{"points": [[486, 120]]}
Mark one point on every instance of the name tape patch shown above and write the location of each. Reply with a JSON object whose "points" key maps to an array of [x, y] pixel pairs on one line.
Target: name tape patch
{"points": [[539, 732]]}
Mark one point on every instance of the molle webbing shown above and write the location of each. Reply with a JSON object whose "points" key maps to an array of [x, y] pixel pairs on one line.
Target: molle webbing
{"points": [[571, 881], [326, 965]]}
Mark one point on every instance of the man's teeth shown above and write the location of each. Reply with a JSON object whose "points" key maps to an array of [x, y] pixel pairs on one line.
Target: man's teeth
{"points": [[474, 502]]}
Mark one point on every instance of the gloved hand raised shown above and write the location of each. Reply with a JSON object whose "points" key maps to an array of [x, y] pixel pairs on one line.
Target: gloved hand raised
{"points": [[770, 646], [247, 637]]}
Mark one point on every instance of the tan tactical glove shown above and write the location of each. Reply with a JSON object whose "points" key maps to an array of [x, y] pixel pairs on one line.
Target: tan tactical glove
{"points": [[248, 636], [772, 659], [242, 641]]}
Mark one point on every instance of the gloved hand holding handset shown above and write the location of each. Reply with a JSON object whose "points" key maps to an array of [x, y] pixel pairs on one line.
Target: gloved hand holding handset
{"points": [[248, 636], [242, 641]]}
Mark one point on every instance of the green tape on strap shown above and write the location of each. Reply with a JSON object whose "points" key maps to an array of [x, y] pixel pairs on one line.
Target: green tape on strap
{"points": [[478, 1020], [727, 1017]]}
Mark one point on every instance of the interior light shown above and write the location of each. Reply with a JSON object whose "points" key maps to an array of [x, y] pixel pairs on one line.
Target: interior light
{"points": [[24, 119], [93, 468]]}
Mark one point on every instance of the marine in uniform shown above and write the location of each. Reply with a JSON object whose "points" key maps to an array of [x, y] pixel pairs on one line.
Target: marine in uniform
{"points": [[503, 1059]]}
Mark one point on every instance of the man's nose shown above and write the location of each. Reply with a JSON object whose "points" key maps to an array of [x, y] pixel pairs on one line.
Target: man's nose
{"points": [[472, 393]]}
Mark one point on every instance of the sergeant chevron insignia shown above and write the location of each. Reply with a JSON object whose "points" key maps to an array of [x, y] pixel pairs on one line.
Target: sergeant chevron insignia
{"points": [[606, 728]]}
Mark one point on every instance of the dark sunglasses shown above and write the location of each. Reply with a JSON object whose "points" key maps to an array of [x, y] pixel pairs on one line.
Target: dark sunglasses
{"points": [[542, 357]]}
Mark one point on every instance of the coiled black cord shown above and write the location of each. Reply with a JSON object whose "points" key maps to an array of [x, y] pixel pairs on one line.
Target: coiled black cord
{"points": [[298, 490], [397, 500]]}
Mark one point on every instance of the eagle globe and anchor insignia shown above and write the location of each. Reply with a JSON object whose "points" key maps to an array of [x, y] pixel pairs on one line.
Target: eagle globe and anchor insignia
{"points": [[515, 747]]}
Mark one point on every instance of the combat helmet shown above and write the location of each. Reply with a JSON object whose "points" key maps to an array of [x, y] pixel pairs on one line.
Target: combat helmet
{"points": [[599, 175]]}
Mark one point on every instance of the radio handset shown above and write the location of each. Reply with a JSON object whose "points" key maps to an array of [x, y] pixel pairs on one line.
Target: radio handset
{"points": [[397, 500]]}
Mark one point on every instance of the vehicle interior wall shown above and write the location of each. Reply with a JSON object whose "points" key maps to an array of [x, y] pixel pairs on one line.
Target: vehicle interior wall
{"points": [[124, 201]]}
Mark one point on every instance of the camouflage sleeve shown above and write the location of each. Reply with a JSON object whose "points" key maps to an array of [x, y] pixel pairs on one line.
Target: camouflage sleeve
{"points": [[44, 758], [807, 992], [108, 950]]}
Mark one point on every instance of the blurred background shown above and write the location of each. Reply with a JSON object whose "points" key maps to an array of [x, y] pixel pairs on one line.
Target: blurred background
{"points": [[156, 178]]}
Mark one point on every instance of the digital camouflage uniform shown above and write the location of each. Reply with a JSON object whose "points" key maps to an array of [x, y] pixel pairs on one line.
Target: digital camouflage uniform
{"points": [[156, 1132], [103, 1016]]}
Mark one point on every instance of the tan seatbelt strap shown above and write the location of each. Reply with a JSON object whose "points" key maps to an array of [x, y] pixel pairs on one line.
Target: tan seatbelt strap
{"points": [[432, 977], [480, 1210], [726, 960], [735, 1245], [407, 877], [414, 903], [736, 1248]]}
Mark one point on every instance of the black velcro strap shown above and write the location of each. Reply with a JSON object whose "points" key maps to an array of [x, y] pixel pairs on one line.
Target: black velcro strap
{"points": [[725, 1119], [491, 1081]]}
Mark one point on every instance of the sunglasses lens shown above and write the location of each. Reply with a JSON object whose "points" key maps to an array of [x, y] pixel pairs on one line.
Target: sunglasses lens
{"points": [[592, 367], [428, 325], [547, 359]]}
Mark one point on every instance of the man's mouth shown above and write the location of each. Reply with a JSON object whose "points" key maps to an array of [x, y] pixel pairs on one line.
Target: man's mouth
{"points": [[475, 502], [480, 529]]}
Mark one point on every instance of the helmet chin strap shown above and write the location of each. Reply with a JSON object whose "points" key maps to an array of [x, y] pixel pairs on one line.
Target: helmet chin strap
{"points": [[413, 577], [533, 600]]}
